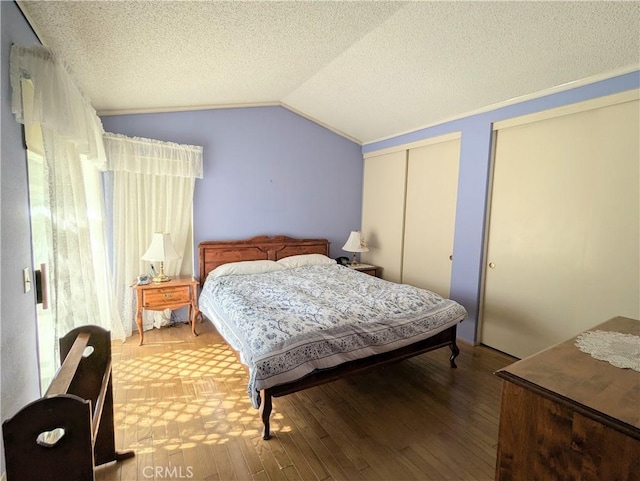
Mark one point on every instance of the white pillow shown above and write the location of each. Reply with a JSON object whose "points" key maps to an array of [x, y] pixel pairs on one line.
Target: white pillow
{"points": [[306, 260], [245, 267]]}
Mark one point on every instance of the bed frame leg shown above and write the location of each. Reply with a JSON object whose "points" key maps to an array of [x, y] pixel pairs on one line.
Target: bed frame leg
{"points": [[265, 412], [455, 350]]}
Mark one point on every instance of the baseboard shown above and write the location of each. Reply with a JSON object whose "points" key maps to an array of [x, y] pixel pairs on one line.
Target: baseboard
{"points": [[461, 340]]}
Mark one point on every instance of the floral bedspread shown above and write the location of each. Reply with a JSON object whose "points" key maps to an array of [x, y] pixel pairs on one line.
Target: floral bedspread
{"points": [[288, 323]]}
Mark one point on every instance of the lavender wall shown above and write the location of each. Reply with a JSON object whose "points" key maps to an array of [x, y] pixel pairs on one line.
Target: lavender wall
{"points": [[473, 182], [19, 376], [267, 171]]}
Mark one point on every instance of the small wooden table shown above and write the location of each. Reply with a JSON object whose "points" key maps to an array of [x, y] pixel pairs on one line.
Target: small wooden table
{"points": [[374, 271], [180, 291], [566, 415]]}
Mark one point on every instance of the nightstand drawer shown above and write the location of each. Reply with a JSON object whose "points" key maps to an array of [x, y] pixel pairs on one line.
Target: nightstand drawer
{"points": [[372, 272], [159, 298]]}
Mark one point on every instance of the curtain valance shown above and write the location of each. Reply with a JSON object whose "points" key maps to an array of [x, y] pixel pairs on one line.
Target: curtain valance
{"points": [[148, 156], [58, 104]]}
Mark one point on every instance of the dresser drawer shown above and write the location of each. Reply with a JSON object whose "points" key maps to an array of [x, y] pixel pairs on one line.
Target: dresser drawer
{"points": [[168, 296]]}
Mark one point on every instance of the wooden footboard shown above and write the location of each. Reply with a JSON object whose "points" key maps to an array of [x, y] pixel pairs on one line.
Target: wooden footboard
{"points": [[316, 378]]}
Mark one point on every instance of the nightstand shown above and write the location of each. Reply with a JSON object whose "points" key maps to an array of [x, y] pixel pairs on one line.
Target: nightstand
{"points": [[367, 269], [180, 291]]}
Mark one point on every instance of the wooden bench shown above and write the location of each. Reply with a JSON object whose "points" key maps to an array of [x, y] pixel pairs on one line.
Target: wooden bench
{"points": [[69, 431]]}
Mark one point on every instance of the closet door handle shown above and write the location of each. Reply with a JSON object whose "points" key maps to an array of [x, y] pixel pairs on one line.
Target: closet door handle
{"points": [[492, 265]]}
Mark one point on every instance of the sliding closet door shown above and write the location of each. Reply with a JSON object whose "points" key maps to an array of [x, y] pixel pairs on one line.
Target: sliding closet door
{"points": [[383, 211], [563, 241], [432, 188]]}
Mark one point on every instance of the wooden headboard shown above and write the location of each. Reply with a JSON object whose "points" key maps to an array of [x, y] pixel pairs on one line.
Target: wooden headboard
{"points": [[215, 253]]}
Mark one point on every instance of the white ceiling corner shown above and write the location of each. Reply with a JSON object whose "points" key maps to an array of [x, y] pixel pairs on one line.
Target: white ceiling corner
{"points": [[365, 69]]}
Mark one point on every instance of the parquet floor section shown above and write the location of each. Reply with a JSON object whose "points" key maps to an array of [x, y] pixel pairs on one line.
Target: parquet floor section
{"points": [[181, 404]]}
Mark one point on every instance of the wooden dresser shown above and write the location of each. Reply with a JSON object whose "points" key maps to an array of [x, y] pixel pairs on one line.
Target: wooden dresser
{"points": [[567, 416]]}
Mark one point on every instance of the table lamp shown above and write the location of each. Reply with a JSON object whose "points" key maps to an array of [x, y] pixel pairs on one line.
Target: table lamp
{"points": [[160, 250], [355, 243]]}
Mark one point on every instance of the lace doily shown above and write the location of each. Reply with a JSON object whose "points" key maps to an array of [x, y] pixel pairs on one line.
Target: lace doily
{"points": [[618, 349]]}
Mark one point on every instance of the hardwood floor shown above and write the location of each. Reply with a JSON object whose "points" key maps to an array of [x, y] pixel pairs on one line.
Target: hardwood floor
{"points": [[181, 404]]}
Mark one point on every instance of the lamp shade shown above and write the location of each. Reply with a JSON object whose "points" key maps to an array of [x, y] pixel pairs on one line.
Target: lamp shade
{"points": [[161, 248], [355, 243]]}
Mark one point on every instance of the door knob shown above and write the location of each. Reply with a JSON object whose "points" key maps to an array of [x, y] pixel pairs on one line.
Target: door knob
{"points": [[491, 265]]}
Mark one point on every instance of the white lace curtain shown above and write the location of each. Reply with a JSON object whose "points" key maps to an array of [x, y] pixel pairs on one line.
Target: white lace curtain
{"points": [[152, 184], [73, 156]]}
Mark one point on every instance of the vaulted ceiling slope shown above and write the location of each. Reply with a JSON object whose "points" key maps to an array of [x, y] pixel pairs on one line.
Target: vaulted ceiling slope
{"points": [[367, 69]]}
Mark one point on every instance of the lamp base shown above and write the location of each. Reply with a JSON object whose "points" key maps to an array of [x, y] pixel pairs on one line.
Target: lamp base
{"points": [[354, 262], [161, 277]]}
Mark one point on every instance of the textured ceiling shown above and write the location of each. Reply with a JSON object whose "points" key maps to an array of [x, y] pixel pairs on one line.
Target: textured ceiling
{"points": [[366, 69]]}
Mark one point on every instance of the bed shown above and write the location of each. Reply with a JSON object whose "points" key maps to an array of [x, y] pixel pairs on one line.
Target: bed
{"points": [[297, 319]]}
